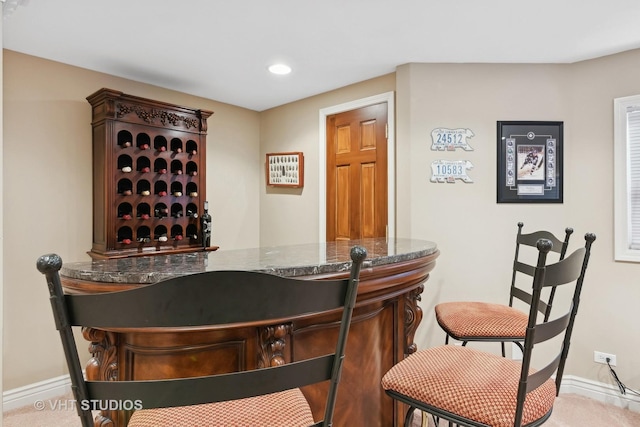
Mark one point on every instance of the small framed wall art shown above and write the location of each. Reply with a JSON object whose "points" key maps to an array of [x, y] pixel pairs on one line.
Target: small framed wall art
{"points": [[285, 169], [530, 156]]}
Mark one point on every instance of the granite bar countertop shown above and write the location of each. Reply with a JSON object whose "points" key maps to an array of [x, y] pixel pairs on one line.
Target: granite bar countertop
{"points": [[292, 260]]}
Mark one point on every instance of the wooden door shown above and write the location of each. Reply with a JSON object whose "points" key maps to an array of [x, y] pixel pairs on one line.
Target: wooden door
{"points": [[357, 173]]}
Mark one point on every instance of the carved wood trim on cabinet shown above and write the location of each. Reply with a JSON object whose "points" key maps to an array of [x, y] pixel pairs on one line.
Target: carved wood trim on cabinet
{"points": [[149, 174]]}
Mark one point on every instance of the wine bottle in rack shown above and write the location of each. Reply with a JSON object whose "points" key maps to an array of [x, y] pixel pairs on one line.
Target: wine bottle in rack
{"points": [[160, 143], [176, 211], [125, 235], [176, 167], [125, 187], [192, 169], [192, 189], [144, 235], [161, 212], [125, 211], [192, 214], [205, 224], [176, 145], [192, 147]]}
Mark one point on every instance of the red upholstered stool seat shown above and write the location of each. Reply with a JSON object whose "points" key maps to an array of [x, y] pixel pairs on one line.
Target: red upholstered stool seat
{"points": [[474, 388], [472, 384], [285, 409], [479, 321], [473, 320]]}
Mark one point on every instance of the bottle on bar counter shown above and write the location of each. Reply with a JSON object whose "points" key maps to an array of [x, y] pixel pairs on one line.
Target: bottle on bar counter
{"points": [[205, 223]]}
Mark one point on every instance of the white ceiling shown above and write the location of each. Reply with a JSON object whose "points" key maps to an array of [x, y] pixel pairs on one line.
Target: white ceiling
{"points": [[220, 49]]}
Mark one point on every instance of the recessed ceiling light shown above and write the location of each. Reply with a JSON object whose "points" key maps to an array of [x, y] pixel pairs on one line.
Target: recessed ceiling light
{"points": [[280, 69]]}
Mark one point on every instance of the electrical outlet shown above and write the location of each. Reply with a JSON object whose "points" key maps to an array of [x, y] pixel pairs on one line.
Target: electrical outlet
{"points": [[600, 357]]}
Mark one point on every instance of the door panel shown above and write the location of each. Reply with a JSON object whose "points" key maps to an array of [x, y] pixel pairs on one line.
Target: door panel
{"points": [[343, 140], [368, 200], [368, 135], [357, 173], [342, 203]]}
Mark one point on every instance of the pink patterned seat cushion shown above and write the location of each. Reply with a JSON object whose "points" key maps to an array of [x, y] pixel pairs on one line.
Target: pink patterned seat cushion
{"points": [[476, 385], [284, 409], [480, 320]]}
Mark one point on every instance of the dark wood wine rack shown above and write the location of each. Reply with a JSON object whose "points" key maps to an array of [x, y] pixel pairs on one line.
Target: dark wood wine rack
{"points": [[149, 176]]}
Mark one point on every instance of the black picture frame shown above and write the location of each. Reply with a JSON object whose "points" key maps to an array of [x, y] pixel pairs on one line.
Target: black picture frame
{"points": [[530, 162]]}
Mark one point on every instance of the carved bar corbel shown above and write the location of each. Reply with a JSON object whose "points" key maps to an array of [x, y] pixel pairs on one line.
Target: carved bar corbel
{"points": [[412, 318], [272, 341], [103, 366]]}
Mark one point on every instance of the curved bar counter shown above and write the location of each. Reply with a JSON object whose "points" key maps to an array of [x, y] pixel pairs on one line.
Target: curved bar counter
{"points": [[385, 319]]}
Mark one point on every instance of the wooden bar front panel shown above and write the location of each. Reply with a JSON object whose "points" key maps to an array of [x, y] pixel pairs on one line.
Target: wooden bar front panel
{"points": [[384, 323]]}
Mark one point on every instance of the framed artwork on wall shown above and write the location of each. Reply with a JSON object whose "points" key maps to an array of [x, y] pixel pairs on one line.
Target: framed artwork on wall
{"points": [[530, 158], [285, 169]]}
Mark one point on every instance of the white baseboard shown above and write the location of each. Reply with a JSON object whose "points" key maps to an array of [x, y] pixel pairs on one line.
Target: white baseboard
{"points": [[601, 392], [29, 394], [48, 389]]}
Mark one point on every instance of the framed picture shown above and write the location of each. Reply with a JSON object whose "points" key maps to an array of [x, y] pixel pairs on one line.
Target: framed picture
{"points": [[529, 162], [285, 169]]}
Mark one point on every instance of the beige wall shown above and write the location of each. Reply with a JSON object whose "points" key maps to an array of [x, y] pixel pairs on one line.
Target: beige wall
{"points": [[47, 191], [1, 221], [46, 115], [474, 233], [290, 216]]}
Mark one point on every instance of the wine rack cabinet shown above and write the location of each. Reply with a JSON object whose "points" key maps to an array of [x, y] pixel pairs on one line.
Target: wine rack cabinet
{"points": [[149, 177]]}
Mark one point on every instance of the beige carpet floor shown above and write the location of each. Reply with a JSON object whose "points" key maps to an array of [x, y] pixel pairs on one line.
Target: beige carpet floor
{"points": [[570, 410]]}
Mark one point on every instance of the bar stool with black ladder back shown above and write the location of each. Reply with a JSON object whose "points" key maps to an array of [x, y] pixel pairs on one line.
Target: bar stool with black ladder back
{"points": [[473, 388], [469, 321], [268, 397]]}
